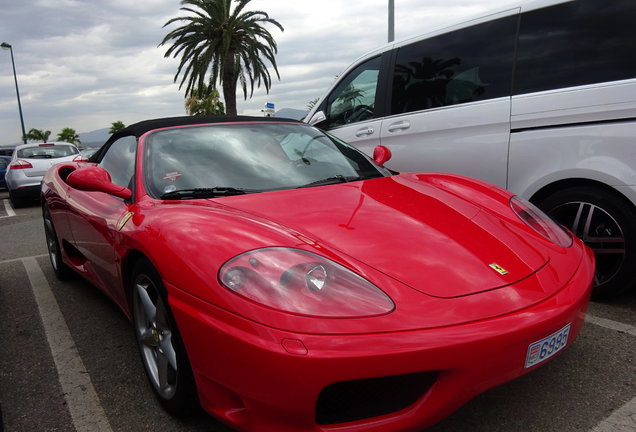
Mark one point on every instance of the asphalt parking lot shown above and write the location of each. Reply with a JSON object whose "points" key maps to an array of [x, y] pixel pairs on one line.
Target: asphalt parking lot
{"points": [[68, 360]]}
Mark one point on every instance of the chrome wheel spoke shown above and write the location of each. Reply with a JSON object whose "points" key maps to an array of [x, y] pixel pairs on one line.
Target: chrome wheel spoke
{"points": [[146, 302], [163, 373], [168, 350]]}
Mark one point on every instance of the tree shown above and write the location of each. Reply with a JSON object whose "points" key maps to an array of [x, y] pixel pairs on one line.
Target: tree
{"points": [[205, 102], [38, 135], [228, 45], [312, 103], [116, 127], [69, 135]]}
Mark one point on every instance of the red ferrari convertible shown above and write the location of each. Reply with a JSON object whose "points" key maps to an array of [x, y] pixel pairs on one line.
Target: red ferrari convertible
{"points": [[285, 281]]}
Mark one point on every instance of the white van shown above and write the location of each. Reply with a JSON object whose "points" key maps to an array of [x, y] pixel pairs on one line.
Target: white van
{"points": [[539, 98]]}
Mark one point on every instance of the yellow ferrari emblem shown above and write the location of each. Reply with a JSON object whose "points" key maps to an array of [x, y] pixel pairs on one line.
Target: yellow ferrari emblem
{"points": [[125, 218], [499, 269]]}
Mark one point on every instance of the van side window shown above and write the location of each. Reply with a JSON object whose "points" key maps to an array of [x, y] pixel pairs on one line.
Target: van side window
{"points": [[576, 43], [470, 64], [353, 100]]}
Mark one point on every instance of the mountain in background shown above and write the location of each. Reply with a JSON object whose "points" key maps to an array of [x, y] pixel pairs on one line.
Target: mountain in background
{"points": [[291, 113], [95, 138], [98, 137]]}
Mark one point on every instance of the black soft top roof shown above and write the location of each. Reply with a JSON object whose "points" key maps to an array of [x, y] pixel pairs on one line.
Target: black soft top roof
{"points": [[138, 129]]}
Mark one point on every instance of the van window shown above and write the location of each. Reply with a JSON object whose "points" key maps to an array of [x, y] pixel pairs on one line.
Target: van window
{"points": [[353, 100], [471, 64], [576, 43]]}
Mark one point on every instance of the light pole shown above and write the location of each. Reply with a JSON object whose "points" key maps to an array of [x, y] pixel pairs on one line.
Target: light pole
{"points": [[5, 45], [391, 20]]}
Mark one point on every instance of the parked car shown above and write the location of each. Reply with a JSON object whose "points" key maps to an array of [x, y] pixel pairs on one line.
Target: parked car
{"points": [[521, 97], [6, 150], [288, 282], [88, 152], [4, 163], [28, 164]]}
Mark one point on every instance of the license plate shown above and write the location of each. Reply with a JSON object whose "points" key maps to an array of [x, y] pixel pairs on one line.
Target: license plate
{"points": [[545, 348]]}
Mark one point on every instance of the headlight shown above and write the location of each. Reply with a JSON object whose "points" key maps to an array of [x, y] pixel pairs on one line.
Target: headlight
{"points": [[304, 283], [540, 222]]}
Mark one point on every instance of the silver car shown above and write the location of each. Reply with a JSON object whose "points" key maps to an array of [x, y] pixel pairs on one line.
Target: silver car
{"points": [[28, 164]]}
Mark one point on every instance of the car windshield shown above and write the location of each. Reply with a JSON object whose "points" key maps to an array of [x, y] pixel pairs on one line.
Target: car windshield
{"points": [[228, 159], [47, 151]]}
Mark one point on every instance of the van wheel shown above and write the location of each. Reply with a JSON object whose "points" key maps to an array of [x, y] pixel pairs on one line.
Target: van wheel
{"points": [[606, 222]]}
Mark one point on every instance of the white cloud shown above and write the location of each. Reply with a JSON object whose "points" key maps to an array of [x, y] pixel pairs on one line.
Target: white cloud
{"points": [[84, 64]]}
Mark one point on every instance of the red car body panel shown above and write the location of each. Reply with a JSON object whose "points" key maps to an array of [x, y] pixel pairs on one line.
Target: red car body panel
{"points": [[426, 240]]}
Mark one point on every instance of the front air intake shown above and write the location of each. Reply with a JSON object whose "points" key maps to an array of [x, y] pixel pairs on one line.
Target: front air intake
{"points": [[365, 398]]}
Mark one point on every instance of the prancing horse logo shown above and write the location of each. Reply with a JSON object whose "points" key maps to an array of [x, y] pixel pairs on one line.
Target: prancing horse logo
{"points": [[499, 269]]}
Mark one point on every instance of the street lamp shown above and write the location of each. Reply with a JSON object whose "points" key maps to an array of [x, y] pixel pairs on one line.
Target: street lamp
{"points": [[6, 46], [391, 20]]}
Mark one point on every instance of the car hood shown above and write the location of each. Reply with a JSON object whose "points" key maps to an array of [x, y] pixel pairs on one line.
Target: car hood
{"points": [[421, 235]]}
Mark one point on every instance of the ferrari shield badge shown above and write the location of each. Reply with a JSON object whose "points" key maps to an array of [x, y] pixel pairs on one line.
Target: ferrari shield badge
{"points": [[125, 218], [499, 269]]}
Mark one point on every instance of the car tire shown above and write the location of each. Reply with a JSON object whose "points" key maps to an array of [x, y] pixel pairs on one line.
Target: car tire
{"points": [[606, 222], [15, 202], [160, 345], [62, 271]]}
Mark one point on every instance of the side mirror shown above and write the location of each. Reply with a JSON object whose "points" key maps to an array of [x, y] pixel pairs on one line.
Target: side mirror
{"points": [[317, 118], [381, 155], [96, 179]]}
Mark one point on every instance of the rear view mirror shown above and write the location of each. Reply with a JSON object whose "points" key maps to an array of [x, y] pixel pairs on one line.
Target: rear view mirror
{"points": [[96, 179], [381, 155]]}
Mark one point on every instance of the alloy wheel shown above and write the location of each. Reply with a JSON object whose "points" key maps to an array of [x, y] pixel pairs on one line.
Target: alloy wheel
{"points": [[154, 336], [600, 231]]}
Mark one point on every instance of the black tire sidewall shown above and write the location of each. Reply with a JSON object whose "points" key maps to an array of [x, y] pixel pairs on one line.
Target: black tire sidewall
{"points": [[15, 202], [62, 272]]}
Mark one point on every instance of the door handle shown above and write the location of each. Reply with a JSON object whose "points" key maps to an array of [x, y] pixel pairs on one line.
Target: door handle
{"points": [[399, 126], [364, 132]]}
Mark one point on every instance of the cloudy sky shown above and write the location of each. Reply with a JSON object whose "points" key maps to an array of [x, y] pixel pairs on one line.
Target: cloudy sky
{"points": [[87, 63]]}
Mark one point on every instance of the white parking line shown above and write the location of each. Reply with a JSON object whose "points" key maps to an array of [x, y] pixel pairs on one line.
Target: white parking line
{"points": [[612, 325], [624, 418], [82, 400], [621, 420], [8, 209]]}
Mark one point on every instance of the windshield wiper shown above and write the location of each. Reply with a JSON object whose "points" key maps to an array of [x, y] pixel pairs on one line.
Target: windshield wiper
{"points": [[334, 180], [206, 193]]}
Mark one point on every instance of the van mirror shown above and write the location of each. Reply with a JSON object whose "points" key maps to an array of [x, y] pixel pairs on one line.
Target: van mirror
{"points": [[381, 155], [317, 118]]}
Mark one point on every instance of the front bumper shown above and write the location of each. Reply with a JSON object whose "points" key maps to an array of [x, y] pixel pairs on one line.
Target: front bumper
{"points": [[255, 377]]}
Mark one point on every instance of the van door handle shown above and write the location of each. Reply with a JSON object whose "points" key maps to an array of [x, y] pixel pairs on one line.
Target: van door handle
{"points": [[364, 131], [399, 126]]}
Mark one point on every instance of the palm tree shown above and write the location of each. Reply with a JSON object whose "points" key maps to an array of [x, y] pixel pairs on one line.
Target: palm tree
{"points": [[116, 127], [69, 135], [228, 45], [204, 102], [38, 135], [312, 103]]}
